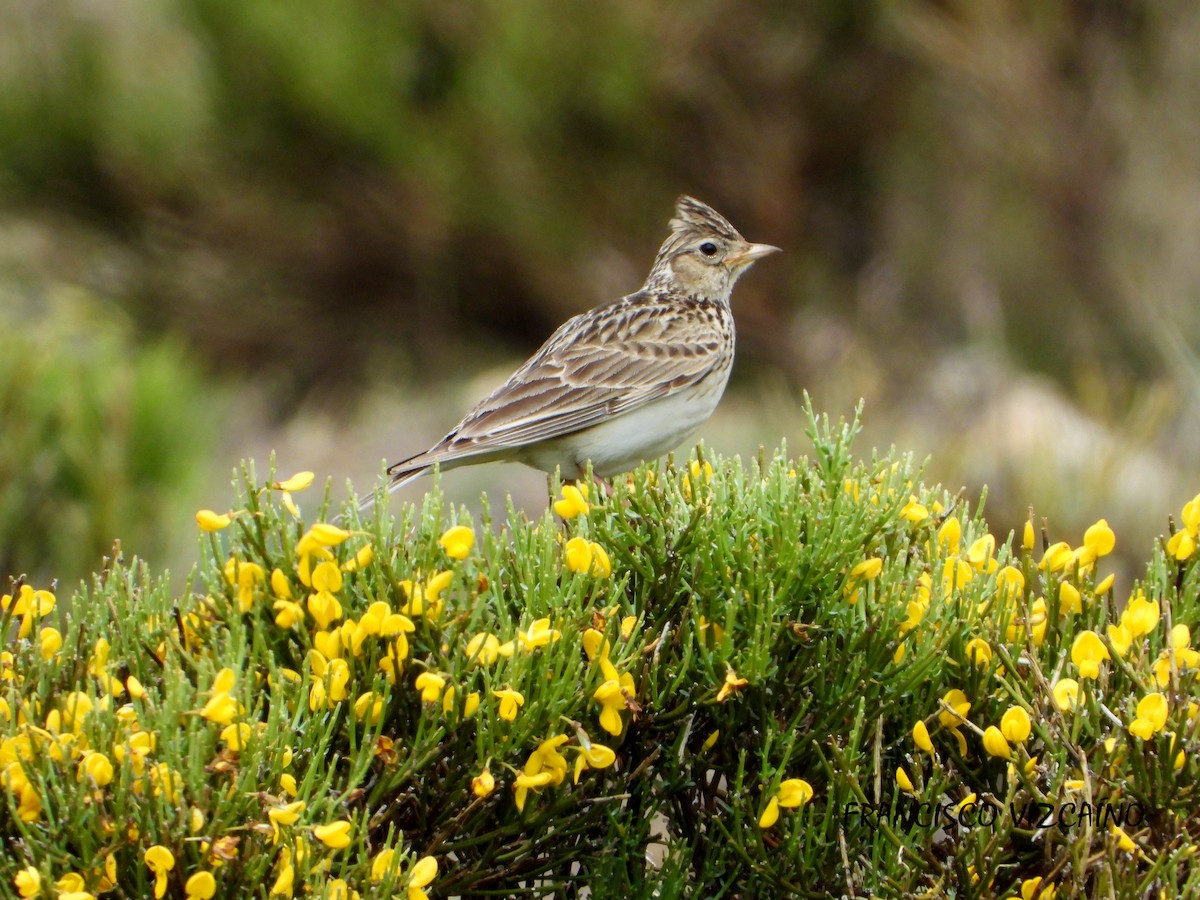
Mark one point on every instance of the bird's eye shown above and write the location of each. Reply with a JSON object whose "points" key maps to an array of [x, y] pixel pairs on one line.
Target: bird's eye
{"points": [[708, 248]]}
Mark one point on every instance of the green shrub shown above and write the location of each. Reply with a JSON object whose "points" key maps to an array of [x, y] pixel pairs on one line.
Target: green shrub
{"points": [[102, 438], [708, 684]]}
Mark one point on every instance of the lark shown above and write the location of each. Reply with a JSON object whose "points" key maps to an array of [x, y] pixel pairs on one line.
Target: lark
{"points": [[627, 381]]}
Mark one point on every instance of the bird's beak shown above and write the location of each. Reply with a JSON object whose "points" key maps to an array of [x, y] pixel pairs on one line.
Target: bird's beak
{"points": [[749, 254]]}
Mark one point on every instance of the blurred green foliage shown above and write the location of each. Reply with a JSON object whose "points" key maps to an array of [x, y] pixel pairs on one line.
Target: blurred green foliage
{"points": [[103, 439], [422, 176]]}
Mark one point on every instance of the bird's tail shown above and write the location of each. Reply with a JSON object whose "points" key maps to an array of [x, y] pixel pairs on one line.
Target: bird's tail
{"points": [[399, 475]]}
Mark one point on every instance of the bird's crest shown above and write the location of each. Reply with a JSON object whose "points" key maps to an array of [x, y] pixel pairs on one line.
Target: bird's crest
{"points": [[691, 216]]}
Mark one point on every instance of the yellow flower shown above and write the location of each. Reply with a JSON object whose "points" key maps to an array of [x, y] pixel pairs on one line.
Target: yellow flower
{"points": [[601, 564], [794, 792], [979, 554], [235, 736], [247, 576], [382, 864], [915, 610], [335, 835], [483, 783], [956, 574], [770, 815], [1124, 841], [457, 541], [733, 683], [322, 534], [1087, 652], [426, 601], [211, 521], [611, 695], [287, 814], [1121, 639], [1099, 539], [1057, 557], [958, 707], [430, 685], [950, 534], [1031, 889], [201, 886], [979, 652], [329, 645], [1070, 601], [1010, 583], [368, 708], [1180, 637], [1181, 545], [539, 634], [423, 872], [49, 643], [339, 678], [921, 737], [995, 744], [1151, 716], [573, 503], [285, 881], [288, 613], [1027, 535], [612, 704], [1066, 693], [160, 860], [510, 702], [1191, 514], [29, 882], [524, 783], [70, 887], [696, 470], [96, 767], [867, 569], [578, 554], [1141, 615], [30, 605], [545, 766], [914, 510], [362, 558], [324, 607], [904, 781], [327, 577], [1015, 725], [593, 756], [583, 556], [594, 643], [297, 482]]}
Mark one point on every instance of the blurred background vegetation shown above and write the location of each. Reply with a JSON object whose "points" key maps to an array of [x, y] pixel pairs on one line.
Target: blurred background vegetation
{"points": [[326, 226]]}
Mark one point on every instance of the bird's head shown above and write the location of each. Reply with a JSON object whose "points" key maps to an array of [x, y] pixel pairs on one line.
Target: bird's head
{"points": [[704, 254]]}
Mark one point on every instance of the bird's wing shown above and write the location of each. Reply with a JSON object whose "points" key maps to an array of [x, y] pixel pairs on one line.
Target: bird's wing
{"points": [[596, 366]]}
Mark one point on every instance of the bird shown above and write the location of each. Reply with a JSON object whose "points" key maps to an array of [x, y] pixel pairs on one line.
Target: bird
{"points": [[625, 382]]}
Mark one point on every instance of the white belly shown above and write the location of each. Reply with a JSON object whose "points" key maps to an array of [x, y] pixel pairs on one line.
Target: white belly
{"points": [[619, 444]]}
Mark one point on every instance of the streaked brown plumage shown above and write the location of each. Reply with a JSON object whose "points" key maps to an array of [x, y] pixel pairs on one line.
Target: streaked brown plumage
{"points": [[624, 382]]}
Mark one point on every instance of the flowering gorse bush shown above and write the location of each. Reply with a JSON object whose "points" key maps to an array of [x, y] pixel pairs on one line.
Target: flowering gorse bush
{"points": [[783, 677]]}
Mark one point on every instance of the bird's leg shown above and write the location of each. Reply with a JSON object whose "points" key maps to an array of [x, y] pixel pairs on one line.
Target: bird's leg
{"points": [[598, 479]]}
